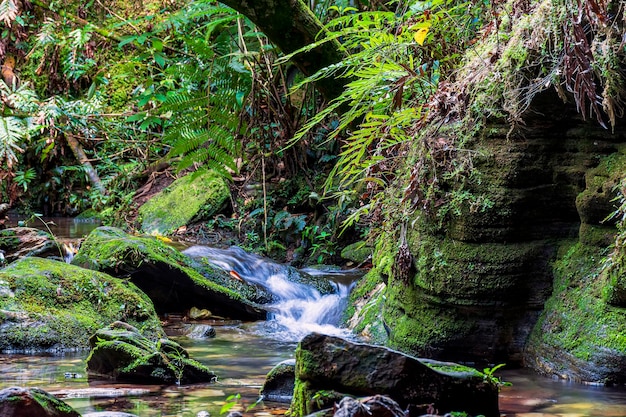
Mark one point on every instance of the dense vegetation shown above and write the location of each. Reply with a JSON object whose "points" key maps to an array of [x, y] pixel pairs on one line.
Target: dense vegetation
{"points": [[100, 99]]}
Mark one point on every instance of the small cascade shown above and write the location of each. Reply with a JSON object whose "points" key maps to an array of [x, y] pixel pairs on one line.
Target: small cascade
{"points": [[300, 308]]}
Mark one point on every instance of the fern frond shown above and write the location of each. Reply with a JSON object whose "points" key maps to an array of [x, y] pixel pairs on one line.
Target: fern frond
{"points": [[8, 11], [11, 134]]}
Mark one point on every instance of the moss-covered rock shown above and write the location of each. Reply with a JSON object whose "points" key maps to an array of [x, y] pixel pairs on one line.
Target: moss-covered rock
{"points": [[279, 382], [364, 314], [327, 367], [50, 305], [580, 336], [32, 402], [166, 275], [498, 178], [357, 252], [193, 197], [122, 353]]}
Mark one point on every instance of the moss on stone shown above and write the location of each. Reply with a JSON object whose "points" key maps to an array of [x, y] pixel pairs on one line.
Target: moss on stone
{"points": [[53, 305], [192, 197], [579, 335], [357, 252], [155, 266], [364, 312]]}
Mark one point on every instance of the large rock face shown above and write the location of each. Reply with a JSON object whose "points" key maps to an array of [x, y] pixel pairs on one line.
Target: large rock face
{"points": [[193, 197], [167, 276], [33, 402], [50, 305], [472, 261], [326, 363]]}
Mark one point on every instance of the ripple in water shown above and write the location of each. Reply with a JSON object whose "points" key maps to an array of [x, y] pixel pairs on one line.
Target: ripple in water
{"points": [[300, 309]]}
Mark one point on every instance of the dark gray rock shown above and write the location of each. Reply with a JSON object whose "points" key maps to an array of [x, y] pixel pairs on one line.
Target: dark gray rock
{"points": [[326, 363], [279, 382]]}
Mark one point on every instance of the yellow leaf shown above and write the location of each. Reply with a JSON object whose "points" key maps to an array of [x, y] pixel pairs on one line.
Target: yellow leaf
{"points": [[420, 35]]}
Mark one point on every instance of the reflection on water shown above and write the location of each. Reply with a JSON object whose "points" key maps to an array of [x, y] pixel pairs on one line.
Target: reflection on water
{"points": [[61, 227], [531, 395], [242, 359]]}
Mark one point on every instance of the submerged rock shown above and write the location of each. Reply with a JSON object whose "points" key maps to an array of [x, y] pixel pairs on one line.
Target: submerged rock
{"points": [[279, 382], [120, 352], [32, 402], [49, 305], [327, 366], [166, 275], [374, 406], [193, 197]]}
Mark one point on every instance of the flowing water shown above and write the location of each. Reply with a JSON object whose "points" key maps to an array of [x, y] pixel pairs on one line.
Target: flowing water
{"points": [[242, 353]]}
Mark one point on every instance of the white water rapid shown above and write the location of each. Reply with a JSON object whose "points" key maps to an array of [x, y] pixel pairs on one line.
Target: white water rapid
{"points": [[299, 308]]}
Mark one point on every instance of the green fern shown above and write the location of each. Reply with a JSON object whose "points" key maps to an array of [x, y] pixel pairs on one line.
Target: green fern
{"points": [[11, 135], [8, 11]]}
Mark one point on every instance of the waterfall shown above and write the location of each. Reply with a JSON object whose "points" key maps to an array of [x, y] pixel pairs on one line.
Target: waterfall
{"points": [[299, 308]]}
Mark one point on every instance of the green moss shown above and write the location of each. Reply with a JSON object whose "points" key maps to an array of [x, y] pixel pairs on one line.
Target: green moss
{"points": [[50, 403], [357, 252], [194, 196], [466, 273], [577, 320], [55, 305], [111, 249], [8, 240], [364, 312], [452, 369]]}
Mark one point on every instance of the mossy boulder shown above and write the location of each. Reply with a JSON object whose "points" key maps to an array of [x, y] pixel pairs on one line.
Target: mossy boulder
{"points": [[32, 402], [47, 305], [166, 275], [193, 197], [580, 336], [120, 352], [279, 382], [330, 365], [357, 252]]}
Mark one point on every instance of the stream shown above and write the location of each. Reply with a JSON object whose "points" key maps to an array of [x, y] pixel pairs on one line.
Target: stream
{"points": [[243, 353]]}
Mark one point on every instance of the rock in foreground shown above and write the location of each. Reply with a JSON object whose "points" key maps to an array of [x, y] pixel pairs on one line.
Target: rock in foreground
{"points": [[121, 353], [32, 402], [326, 363]]}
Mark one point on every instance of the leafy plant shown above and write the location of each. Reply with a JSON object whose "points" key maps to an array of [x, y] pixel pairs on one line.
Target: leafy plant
{"points": [[23, 178], [489, 377]]}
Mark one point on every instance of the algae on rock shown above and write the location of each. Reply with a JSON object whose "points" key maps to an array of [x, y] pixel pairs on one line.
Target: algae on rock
{"points": [[195, 196], [166, 275], [122, 353], [502, 173], [47, 305]]}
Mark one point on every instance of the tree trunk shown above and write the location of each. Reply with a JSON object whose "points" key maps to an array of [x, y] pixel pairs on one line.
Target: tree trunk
{"points": [[291, 25], [80, 155]]}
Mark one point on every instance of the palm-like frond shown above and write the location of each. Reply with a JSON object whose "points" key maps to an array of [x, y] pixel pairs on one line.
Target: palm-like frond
{"points": [[8, 11], [12, 132]]}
